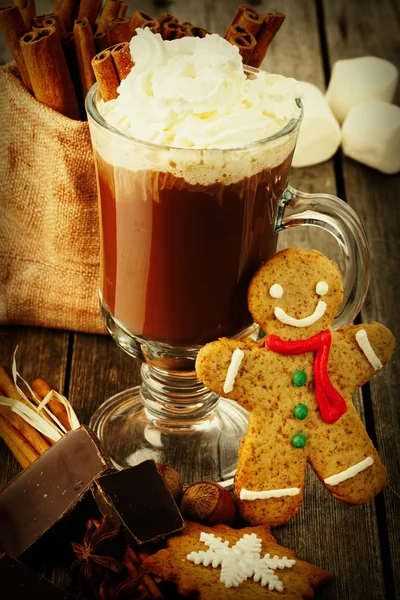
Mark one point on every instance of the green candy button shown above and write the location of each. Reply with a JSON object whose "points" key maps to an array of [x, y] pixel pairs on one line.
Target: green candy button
{"points": [[300, 411], [299, 440], [299, 378]]}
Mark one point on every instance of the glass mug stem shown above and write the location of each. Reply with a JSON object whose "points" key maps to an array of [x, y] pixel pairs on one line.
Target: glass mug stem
{"points": [[335, 216], [175, 399]]}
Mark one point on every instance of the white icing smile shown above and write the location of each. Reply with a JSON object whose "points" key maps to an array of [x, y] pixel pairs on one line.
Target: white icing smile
{"points": [[319, 311]]}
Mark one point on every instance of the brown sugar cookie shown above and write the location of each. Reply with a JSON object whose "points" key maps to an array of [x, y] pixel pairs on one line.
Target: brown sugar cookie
{"points": [[298, 389], [220, 563]]}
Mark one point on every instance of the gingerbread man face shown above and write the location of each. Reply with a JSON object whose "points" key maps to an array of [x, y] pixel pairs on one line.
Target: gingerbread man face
{"points": [[296, 294], [297, 386]]}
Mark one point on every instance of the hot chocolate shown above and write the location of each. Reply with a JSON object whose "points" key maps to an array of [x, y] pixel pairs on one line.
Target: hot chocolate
{"points": [[177, 258]]}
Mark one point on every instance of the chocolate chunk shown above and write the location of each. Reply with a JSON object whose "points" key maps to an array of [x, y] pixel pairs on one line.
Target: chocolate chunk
{"points": [[138, 499], [49, 489], [19, 582]]}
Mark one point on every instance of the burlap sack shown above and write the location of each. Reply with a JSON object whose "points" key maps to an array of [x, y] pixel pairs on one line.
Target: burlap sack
{"points": [[49, 237]]}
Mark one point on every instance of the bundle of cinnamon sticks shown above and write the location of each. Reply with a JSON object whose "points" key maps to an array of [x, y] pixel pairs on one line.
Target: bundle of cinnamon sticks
{"points": [[60, 55], [17, 418], [253, 33], [249, 31]]}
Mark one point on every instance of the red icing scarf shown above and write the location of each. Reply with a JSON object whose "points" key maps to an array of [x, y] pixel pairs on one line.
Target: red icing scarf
{"points": [[331, 404]]}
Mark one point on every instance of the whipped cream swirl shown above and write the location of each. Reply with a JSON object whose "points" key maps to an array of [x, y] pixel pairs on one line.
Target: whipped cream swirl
{"points": [[193, 93]]}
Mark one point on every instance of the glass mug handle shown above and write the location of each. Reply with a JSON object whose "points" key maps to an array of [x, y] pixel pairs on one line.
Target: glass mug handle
{"points": [[334, 215]]}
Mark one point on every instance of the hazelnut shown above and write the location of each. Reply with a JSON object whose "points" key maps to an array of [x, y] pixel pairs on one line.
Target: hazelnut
{"points": [[172, 480], [208, 503]]}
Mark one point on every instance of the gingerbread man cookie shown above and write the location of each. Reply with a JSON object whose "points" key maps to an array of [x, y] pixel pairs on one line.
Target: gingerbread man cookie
{"points": [[297, 388]]}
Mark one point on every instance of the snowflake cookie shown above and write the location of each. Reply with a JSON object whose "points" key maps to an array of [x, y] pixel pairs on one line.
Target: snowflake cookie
{"points": [[297, 385], [221, 563]]}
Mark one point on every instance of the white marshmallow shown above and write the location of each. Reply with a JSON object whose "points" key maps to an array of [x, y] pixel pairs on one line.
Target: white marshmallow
{"points": [[319, 135], [358, 79], [371, 135]]}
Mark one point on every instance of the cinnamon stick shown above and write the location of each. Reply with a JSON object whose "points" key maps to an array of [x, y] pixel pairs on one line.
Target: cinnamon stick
{"points": [[17, 443], [153, 25], [234, 30], [132, 563], [85, 51], [100, 41], [137, 20], [246, 44], [167, 18], [67, 10], [28, 11], [51, 20], [110, 9], [33, 436], [48, 71], [247, 17], [134, 570], [169, 30], [118, 30], [42, 388], [13, 27], [181, 32], [122, 59], [89, 9], [199, 32], [38, 20], [270, 27], [123, 7], [106, 75], [133, 566], [7, 386]]}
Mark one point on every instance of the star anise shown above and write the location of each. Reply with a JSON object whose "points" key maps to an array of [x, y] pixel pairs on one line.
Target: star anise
{"points": [[101, 552], [127, 589]]}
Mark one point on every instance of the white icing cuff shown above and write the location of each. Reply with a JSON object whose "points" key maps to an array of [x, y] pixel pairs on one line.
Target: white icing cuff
{"points": [[306, 321], [350, 472], [265, 494], [365, 345], [233, 369]]}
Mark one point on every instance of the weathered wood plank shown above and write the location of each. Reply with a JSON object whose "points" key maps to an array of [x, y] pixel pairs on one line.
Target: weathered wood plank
{"points": [[358, 29], [342, 532], [41, 353]]}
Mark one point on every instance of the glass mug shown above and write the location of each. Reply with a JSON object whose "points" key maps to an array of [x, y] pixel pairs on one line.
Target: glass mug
{"points": [[182, 231]]}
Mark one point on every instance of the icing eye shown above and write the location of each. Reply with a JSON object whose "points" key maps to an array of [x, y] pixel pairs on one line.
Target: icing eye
{"points": [[276, 291], [321, 288]]}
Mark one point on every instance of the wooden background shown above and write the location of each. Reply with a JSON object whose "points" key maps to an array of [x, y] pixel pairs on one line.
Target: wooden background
{"points": [[359, 545]]}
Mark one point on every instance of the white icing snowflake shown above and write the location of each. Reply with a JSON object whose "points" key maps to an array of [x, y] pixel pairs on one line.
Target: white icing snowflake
{"points": [[241, 561]]}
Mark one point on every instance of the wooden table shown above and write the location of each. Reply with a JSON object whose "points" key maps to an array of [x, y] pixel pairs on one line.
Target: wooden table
{"points": [[359, 545]]}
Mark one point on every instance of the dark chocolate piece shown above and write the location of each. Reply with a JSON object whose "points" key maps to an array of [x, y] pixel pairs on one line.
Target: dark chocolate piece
{"points": [[19, 582], [49, 489], [138, 499]]}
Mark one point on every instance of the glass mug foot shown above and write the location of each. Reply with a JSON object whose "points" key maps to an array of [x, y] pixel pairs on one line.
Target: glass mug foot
{"points": [[204, 448]]}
